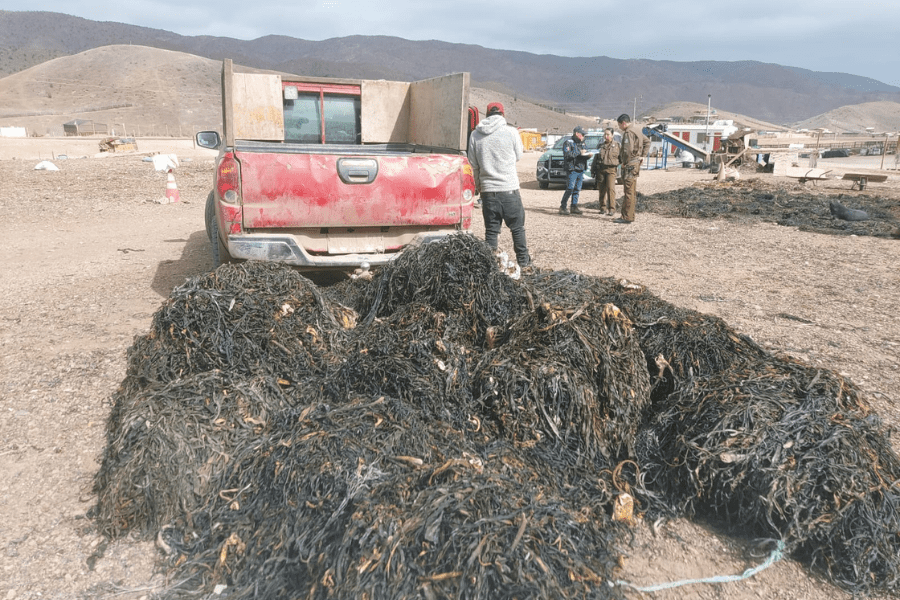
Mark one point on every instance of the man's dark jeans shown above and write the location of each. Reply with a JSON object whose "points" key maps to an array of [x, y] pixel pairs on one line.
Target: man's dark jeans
{"points": [[505, 207], [574, 181]]}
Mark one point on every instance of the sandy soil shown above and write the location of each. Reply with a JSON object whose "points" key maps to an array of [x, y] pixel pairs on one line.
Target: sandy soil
{"points": [[91, 254]]}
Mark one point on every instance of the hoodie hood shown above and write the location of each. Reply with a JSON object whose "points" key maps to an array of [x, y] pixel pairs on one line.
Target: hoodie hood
{"points": [[491, 124]]}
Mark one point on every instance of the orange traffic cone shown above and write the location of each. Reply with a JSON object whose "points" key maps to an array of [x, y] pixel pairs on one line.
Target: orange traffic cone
{"points": [[171, 189]]}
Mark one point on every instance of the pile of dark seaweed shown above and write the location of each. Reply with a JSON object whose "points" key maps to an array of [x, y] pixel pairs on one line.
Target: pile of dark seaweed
{"points": [[442, 430], [785, 203]]}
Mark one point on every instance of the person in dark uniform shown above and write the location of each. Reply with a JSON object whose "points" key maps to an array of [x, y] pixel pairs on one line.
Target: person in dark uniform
{"points": [[604, 172], [631, 155]]}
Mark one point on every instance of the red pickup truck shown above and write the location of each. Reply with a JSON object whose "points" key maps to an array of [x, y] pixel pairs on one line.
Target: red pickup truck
{"points": [[325, 173]]}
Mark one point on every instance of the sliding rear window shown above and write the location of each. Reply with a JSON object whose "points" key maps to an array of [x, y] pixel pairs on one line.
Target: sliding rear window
{"points": [[321, 114]]}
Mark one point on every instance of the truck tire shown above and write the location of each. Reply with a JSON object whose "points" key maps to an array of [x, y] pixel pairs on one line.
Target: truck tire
{"points": [[210, 215], [214, 243], [220, 253]]}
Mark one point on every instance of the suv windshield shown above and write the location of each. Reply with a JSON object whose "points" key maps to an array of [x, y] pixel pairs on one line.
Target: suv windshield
{"points": [[591, 141]]}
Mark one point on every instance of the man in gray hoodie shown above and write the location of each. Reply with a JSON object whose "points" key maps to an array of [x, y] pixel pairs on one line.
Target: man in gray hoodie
{"points": [[494, 150]]}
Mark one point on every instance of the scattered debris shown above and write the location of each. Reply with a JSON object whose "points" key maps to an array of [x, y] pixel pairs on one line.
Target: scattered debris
{"points": [[164, 162], [118, 144]]}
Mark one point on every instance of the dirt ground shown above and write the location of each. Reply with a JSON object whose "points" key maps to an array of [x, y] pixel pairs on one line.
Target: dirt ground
{"points": [[91, 254]]}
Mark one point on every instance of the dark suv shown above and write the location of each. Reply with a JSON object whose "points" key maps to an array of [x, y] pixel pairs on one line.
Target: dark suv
{"points": [[550, 165]]}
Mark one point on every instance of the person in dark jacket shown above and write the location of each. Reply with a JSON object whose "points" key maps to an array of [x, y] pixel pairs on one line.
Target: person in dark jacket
{"points": [[604, 171], [631, 155], [575, 157]]}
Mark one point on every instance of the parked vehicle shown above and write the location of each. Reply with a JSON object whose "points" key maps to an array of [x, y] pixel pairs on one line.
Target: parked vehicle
{"points": [[336, 174], [550, 167]]}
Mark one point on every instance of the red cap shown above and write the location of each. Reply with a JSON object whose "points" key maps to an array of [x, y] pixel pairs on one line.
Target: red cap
{"points": [[494, 107]]}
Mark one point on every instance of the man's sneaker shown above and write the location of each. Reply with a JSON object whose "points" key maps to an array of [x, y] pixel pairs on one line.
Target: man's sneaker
{"points": [[563, 210], [575, 210]]}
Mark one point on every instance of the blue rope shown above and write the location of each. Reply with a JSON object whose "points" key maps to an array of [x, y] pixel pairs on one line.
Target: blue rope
{"points": [[776, 555]]}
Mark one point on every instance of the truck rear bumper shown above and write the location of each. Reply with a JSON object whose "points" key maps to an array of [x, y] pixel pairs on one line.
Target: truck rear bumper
{"points": [[285, 249]]}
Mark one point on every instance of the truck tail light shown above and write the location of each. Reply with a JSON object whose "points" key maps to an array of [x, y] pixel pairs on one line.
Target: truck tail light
{"points": [[468, 182], [228, 179]]}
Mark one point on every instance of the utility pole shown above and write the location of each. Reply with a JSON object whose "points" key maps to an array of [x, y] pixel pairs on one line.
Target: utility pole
{"points": [[814, 155], [708, 105]]}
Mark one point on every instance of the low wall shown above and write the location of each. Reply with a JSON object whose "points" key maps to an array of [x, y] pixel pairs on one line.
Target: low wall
{"points": [[47, 148]]}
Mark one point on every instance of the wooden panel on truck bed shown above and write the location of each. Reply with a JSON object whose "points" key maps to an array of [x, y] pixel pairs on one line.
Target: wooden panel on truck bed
{"points": [[385, 112], [256, 107], [438, 109]]}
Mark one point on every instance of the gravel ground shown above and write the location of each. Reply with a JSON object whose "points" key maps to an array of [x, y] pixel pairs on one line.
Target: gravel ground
{"points": [[92, 254]]}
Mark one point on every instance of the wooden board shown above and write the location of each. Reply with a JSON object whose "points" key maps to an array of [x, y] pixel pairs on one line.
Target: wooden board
{"points": [[869, 178], [438, 110], [256, 106], [384, 111], [804, 173]]}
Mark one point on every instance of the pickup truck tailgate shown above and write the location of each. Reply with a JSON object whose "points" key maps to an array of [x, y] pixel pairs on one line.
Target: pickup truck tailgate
{"points": [[290, 190]]}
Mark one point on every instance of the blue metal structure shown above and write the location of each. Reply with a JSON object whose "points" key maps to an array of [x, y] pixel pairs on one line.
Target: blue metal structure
{"points": [[667, 138]]}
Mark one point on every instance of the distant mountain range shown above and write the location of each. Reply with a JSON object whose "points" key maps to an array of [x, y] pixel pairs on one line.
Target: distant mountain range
{"points": [[599, 86]]}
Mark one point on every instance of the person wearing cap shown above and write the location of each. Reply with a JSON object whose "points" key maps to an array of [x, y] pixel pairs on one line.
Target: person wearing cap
{"points": [[604, 171], [575, 157], [631, 155], [494, 150]]}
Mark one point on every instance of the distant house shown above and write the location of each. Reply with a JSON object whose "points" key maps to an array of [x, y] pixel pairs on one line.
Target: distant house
{"points": [[13, 132], [84, 127]]}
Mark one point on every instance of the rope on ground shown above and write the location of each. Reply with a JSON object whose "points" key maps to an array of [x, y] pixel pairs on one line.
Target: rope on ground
{"points": [[776, 555]]}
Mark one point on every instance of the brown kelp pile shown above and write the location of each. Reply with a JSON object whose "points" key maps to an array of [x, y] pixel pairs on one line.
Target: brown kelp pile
{"points": [[786, 203], [442, 430]]}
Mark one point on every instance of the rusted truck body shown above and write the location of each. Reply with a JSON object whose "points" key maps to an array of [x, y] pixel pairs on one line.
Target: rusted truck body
{"points": [[324, 173]]}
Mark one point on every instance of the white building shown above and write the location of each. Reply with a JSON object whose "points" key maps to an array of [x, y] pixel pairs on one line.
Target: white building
{"points": [[13, 132], [709, 137]]}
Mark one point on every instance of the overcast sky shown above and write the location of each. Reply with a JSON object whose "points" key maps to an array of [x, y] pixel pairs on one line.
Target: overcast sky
{"points": [[860, 37]]}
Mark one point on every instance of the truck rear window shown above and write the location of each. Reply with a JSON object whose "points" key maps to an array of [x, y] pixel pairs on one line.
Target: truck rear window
{"points": [[318, 116]]}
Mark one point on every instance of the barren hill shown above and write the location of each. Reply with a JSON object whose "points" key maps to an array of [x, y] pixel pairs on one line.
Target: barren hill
{"points": [[586, 85], [686, 110], [139, 90], [135, 90], [882, 117]]}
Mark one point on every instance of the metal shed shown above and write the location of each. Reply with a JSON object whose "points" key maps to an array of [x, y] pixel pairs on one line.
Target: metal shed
{"points": [[84, 127]]}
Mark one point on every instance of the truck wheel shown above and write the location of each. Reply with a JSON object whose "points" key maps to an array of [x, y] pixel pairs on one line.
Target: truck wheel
{"points": [[220, 253], [214, 243], [544, 185], [210, 215]]}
